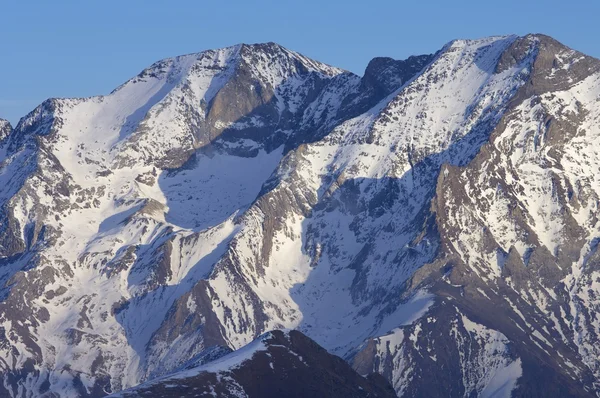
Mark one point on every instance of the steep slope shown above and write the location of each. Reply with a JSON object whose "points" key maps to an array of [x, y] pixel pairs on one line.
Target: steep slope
{"points": [[516, 228], [276, 364], [435, 217]]}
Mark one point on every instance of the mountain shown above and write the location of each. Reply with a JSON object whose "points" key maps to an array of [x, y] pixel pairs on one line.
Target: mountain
{"points": [[277, 364], [433, 221]]}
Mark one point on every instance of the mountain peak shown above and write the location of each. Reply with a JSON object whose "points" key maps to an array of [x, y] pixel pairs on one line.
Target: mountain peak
{"points": [[556, 66], [264, 46], [257, 56]]}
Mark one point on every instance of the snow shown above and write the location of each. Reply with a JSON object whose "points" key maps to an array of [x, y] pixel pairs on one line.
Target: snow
{"points": [[503, 382], [408, 313], [224, 364], [229, 361], [215, 188], [496, 374]]}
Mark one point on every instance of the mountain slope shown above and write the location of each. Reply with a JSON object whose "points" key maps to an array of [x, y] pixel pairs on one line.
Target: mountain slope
{"points": [[435, 217], [510, 243]]}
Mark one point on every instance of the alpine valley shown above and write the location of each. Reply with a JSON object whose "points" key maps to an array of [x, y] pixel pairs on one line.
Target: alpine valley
{"points": [[251, 222]]}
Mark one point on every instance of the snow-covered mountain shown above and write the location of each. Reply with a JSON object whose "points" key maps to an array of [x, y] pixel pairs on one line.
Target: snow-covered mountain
{"points": [[434, 221], [277, 364]]}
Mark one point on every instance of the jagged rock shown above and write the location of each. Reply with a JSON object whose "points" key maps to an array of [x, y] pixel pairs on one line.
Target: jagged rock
{"points": [[5, 129]]}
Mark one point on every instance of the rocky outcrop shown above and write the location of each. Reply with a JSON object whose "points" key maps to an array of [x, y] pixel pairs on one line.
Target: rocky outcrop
{"points": [[5, 129]]}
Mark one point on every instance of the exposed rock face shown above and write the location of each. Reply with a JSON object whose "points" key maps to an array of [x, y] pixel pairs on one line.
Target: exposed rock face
{"points": [[385, 75], [5, 129], [278, 364], [434, 221]]}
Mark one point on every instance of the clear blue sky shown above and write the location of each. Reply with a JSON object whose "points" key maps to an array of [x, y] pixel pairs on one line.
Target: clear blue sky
{"points": [[81, 48]]}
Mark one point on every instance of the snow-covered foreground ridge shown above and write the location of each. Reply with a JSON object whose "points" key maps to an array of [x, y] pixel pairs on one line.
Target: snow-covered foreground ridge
{"points": [[285, 364], [434, 221]]}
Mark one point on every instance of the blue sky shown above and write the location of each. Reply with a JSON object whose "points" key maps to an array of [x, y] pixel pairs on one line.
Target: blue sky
{"points": [[81, 48]]}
